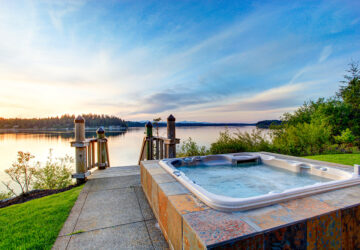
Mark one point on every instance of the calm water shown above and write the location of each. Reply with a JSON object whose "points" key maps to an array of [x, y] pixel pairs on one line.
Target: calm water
{"points": [[124, 147], [247, 180]]}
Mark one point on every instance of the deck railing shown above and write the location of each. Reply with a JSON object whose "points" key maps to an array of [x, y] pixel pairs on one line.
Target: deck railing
{"points": [[157, 147], [89, 153]]}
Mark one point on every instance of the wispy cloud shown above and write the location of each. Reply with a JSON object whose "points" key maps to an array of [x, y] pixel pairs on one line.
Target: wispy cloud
{"points": [[326, 52]]}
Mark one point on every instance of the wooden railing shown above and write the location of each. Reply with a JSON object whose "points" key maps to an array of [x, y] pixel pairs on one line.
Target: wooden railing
{"points": [[92, 151], [89, 153], [157, 147]]}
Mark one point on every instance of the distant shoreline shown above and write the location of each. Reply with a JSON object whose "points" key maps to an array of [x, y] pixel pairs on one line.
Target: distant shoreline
{"points": [[194, 124], [123, 129]]}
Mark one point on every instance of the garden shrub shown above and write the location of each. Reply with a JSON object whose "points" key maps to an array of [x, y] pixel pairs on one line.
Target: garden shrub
{"points": [[345, 137], [240, 142], [56, 173], [190, 148]]}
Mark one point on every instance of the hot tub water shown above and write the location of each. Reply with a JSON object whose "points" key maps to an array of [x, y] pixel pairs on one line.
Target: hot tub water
{"points": [[247, 179]]}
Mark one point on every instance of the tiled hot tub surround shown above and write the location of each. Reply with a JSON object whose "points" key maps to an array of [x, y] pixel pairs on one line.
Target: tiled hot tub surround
{"points": [[329, 220]]}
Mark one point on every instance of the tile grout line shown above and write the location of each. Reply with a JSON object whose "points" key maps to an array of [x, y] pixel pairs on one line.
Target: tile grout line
{"points": [[147, 230]]}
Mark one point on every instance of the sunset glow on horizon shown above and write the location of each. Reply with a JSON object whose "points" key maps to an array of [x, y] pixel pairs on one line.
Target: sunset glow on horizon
{"points": [[224, 61]]}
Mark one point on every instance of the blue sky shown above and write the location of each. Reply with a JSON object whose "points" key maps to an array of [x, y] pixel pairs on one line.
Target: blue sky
{"points": [[235, 61]]}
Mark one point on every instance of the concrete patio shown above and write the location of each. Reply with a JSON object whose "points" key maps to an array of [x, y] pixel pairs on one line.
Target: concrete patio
{"points": [[111, 212]]}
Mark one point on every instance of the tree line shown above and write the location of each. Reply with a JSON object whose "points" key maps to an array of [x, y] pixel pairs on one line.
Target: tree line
{"points": [[59, 122]]}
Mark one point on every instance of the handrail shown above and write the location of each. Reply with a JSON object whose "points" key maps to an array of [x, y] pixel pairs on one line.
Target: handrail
{"points": [[164, 147]]}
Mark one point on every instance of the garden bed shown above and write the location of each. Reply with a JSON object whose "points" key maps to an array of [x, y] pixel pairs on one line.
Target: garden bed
{"points": [[34, 194]]}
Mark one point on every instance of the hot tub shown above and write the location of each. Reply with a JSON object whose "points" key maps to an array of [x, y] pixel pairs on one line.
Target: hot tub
{"points": [[236, 182]]}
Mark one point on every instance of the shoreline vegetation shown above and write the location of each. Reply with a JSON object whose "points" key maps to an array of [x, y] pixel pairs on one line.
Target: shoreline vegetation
{"points": [[65, 123]]}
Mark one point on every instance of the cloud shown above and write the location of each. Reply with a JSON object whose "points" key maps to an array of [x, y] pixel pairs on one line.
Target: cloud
{"points": [[274, 98], [325, 53], [59, 9]]}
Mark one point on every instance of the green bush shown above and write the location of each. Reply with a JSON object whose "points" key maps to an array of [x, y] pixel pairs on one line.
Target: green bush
{"points": [[226, 143], [345, 137], [56, 173], [240, 142], [302, 139], [190, 148]]}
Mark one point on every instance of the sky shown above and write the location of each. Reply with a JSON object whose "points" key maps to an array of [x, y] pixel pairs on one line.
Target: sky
{"points": [[217, 61]]}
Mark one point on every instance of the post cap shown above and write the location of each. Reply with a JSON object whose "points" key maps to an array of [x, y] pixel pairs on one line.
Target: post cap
{"points": [[100, 130], [79, 119], [171, 118], [149, 124]]}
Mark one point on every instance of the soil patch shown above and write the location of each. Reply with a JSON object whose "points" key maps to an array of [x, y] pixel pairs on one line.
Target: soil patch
{"points": [[34, 194]]}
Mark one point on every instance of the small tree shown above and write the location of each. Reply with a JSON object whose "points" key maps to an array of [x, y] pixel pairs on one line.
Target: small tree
{"points": [[350, 92], [21, 172], [156, 124]]}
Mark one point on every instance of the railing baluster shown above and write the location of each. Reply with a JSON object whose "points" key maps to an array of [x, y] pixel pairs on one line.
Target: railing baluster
{"points": [[157, 154], [107, 153], [89, 156], [92, 154], [161, 149]]}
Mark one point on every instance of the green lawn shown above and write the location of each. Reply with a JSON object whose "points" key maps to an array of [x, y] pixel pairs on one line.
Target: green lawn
{"points": [[36, 224], [346, 159]]}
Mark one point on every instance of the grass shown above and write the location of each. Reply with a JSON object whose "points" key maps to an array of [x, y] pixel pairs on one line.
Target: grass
{"points": [[36, 224], [346, 159]]}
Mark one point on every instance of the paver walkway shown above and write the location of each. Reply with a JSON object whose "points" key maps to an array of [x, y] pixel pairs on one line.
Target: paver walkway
{"points": [[111, 212]]}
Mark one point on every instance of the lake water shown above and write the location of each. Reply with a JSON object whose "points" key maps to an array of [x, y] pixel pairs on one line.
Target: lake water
{"points": [[124, 148]]}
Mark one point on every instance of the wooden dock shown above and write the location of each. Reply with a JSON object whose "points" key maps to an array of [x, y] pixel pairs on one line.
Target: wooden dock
{"points": [[111, 212]]}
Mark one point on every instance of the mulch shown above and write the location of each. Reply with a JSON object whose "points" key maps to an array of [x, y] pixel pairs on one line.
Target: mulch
{"points": [[34, 194]]}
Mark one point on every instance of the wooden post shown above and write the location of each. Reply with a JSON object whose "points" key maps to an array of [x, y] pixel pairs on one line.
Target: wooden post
{"points": [[101, 148], [149, 141], [171, 145], [80, 150]]}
